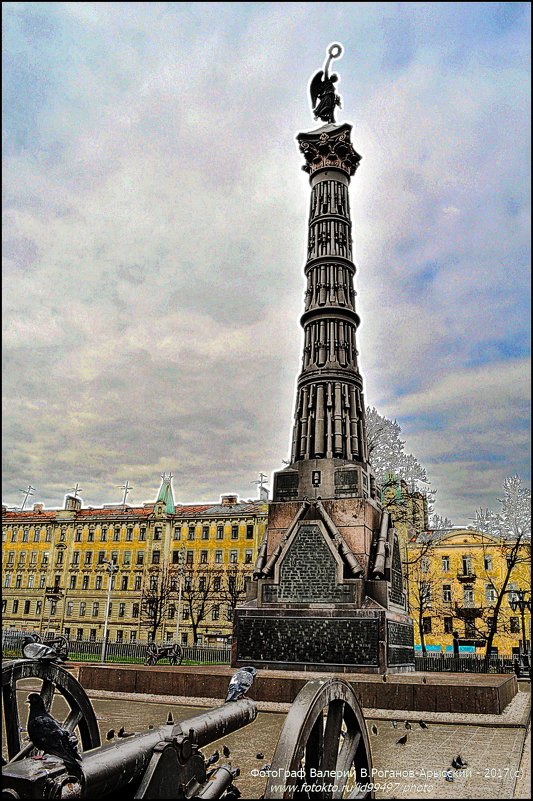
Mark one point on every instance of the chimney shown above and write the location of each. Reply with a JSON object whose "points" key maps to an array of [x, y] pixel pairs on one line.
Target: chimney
{"points": [[229, 500], [38, 507], [72, 504]]}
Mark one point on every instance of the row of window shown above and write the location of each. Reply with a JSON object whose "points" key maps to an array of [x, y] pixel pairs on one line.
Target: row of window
{"points": [[426, 592], [82, 609], [471, 630], [466, 564], [114, 533]]}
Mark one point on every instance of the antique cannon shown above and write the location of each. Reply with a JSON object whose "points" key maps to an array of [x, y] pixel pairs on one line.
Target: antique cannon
{"points": [[324, 734], [171, 651]]}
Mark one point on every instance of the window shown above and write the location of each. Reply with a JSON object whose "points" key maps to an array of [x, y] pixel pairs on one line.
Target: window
{"points": [[88, 557], [425, 593], [15, 606], [62, 535], [27, 607], [249, 531], [126, 559], [190, 533], [514, 625], [201, 583], [77, 535], [92, 635], [229, 613], [467, 565], [121, 609], [124, 582], [53, 607], [26, 535], [22, 558], [216, 584], [90, 535], [33, 558], [205, 533], [83, 607], [142, 534], [39, 608], [248, 557], [447, 593], [156, 556], [203, 557], [120, 635], [48, 537], [101, 557], [190, 557], [103, 534], [426, 625], [487, 561], [140, 557], [129, 534], [31, 581], [177, 532], [137, 583], [133, 636], [218, 557], [445, 564], [235, 532], [79, 634], [490, 593], [153, 582], [176, 558], [70, 607], [215, 614], [85, 583], [42, 582], [468, 597], [96, 609], [66, 632], [116, 535], [18, 581], [14, 536], [158, 533], [59, 557], [171, 611], [73, 580], [4, 606], [75, 558], [11, 558], [233, 555], [448, 625], [37, 535], [135, 610], [185, 615], [98, 583], [220, 532], [184, 638], [44, 560]]}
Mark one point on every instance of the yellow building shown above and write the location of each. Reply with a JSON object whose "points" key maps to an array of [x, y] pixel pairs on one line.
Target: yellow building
{"points": [[56, 574], [454, 580]]}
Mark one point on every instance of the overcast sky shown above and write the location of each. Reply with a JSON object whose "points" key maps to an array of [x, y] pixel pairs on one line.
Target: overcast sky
{"points": [[155, 224]]}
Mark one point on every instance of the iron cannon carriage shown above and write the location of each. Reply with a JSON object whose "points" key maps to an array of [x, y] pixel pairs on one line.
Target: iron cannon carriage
{"points": [[324, 734], [171, 651]]}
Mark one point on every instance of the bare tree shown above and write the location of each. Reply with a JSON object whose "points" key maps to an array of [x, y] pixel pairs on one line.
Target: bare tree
{"points": [[157, 597], [233, 586], [201, 592], [423, 584], [510, 528], [439, 523]]}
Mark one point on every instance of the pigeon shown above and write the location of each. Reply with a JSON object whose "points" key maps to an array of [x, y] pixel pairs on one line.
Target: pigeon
{"points": [[394, 724], [407, 725], [215, 756], [49, 736], [448, 775], [458, 763], [374, 729], [266, 767], [424, 680], [226, 751], [110, 734], [384, 678], [123, 733], [232, 792], [402, 740], [422, 724], [40, 652], [259, 755], [240, 683]]}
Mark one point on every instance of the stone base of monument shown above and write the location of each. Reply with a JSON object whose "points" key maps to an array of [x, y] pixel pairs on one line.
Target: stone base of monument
{"points": [[423, 692], [320, 639]]}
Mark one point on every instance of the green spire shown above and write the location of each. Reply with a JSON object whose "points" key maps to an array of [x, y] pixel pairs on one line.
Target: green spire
{"points": [[165, 494]]}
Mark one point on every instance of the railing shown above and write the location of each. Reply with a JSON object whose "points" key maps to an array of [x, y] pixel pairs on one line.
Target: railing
{"points": [[119, 652], [467, 663]]}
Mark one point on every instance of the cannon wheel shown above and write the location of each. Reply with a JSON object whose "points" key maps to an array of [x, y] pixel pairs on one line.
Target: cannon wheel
{"points": [[55, 681], [151, 654], [325, 731], [176, 655]]}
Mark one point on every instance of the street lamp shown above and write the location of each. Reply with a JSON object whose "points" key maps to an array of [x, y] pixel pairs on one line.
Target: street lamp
{"points": [[111, 568], [181, 561], [518, 601]]}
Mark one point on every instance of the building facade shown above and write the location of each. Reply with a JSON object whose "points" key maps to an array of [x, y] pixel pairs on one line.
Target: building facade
{"points": [[56, 570], [454, 579]]}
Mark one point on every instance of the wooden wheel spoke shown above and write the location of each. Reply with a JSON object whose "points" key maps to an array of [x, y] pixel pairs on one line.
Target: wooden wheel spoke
{"points": [[72, 719], [47, 693], [332, 735]]}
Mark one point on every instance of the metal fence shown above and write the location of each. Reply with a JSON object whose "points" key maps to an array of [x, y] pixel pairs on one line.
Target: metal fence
{"points": [[120, 652], [449, 663]]}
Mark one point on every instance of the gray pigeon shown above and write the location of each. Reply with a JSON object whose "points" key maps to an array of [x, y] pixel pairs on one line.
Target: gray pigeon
{"points": [[374, 729], [215, 756], [407, 725], [240, 683], [422, 724], [402, 740], [394, 724], [40, 652], [49, 736], [226, 751], [448, 775]]}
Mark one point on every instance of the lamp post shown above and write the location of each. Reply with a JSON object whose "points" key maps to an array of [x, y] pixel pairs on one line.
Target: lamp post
{"points": [[519, 601], [111, 568], [181, 561]]}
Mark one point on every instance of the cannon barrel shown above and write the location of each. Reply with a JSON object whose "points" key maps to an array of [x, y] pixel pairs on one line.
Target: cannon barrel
{"points": [[123, 762]]}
